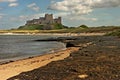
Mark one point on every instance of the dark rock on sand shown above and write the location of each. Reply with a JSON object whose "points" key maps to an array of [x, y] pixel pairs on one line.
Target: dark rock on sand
{"points": [[58, 39]]}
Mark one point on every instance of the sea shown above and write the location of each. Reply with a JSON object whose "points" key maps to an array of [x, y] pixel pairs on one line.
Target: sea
{"points": [[15, 47]]}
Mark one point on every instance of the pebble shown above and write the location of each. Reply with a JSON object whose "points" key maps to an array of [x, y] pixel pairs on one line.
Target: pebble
{"points": [[83, 76]]}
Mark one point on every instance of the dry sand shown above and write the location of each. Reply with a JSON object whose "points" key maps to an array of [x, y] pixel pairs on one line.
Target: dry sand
{"points": [[16, 67]]}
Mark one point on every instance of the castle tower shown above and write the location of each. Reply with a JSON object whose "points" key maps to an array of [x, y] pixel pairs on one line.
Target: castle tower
{"points": [[49, 18]]}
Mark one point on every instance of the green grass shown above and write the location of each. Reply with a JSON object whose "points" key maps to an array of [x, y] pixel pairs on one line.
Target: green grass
{"points": [[58, 26], [114, 33], [31, 27]]}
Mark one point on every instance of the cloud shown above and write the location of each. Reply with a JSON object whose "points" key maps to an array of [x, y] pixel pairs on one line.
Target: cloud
{"points": [[13, 4], [1, 15], [34, 7], [24, 18], [76, 7], [63, 14], [105, 3], [1, 8], [81, 7], [8, 0], [83, 18]]}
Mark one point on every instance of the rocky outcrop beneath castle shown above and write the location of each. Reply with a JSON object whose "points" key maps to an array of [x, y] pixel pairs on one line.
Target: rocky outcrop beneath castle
{"points": [[42, 27]]}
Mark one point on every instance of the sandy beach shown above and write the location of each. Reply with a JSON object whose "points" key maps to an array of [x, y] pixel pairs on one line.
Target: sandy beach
{"points": [[14, 68], [87, 57]]}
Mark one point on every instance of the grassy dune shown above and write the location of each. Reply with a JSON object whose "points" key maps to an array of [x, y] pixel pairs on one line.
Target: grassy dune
{"points": [[69, 30]]}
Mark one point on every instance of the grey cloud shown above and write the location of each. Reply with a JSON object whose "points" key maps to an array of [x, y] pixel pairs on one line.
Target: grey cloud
{"points": [[80, 7], [106, 3]]}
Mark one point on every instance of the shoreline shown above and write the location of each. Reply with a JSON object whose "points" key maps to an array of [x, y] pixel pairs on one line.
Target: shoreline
{"points": [[16, 67], [7, 61], [58, 34]]}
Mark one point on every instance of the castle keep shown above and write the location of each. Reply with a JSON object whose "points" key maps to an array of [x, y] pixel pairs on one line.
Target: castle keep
{"points": [[48, 19]]}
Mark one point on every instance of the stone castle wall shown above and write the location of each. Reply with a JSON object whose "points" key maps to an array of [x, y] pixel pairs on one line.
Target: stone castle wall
{"points": [[48, 19]]}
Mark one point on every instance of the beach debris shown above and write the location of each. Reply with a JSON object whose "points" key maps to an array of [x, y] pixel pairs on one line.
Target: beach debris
{"points": [[16, 79], [83, 76]]}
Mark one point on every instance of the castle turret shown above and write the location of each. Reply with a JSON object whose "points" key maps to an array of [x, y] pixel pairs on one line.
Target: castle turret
{"points": [[59, 20]]}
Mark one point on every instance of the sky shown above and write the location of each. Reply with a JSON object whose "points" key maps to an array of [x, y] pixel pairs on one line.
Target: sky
{"points": [[15, 13]]}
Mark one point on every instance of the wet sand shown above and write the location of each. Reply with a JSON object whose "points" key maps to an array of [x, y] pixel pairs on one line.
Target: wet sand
{"points": [[14, 68]]}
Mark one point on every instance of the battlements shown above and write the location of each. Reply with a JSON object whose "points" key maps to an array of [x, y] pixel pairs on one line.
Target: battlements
{"points": [[48, 19]]}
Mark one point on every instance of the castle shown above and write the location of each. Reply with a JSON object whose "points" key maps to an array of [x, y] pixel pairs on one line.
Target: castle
{"points": [[48, 19]]}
